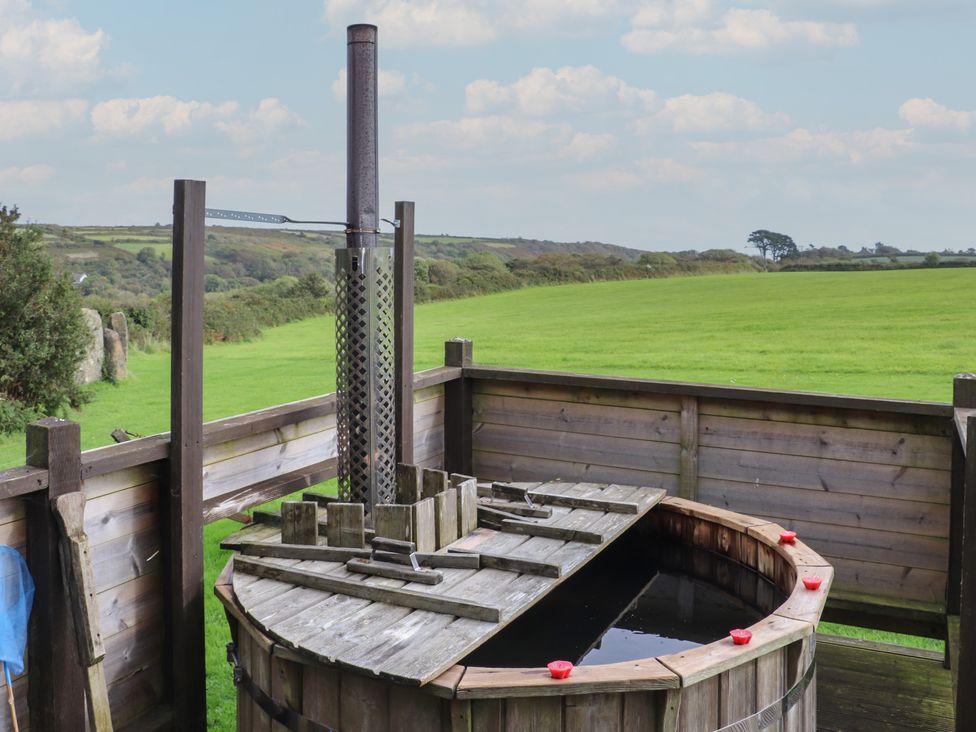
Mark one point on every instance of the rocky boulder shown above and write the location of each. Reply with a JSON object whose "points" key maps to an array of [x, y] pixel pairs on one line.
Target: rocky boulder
{"points": [[116, 367], [118, 323], [90, 369]]}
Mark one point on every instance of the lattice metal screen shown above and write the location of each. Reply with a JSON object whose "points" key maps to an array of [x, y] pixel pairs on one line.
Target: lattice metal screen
{"points": [[365, 375]]}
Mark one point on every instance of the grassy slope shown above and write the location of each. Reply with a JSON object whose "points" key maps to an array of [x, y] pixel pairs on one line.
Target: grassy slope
{"points": [[896, 334]]}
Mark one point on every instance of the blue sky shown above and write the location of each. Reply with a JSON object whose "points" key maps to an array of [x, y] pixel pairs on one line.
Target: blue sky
{"points": [[658, 124]]}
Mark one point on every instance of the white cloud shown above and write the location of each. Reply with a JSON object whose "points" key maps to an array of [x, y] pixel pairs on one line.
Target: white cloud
{"points": [[269, 117], [668, 170], [929, 113], [693, 26], [469, 22], [586, 145], [802, 145], [545, 91], [26, 119], [485, 133], [172, 115], [29, 175], [714, 112], [388, 84], [46, 53]]}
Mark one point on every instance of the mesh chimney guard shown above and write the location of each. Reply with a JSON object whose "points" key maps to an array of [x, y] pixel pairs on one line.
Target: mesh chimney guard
{"points": [[365, 355]]}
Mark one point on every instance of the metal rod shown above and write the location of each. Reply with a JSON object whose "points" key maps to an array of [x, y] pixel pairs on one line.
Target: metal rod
{"points": [[362, 194]]}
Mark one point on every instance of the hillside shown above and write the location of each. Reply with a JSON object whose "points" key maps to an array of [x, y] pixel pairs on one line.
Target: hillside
{"points": [[133, 260]]}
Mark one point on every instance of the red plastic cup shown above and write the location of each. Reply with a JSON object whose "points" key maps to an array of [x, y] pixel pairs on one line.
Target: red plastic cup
{"points": [[787, 537], [812, 582], [559, 669], [740, 637]]}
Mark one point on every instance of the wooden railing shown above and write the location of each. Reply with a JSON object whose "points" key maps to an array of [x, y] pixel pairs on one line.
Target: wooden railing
{"points": [[878, 486]]}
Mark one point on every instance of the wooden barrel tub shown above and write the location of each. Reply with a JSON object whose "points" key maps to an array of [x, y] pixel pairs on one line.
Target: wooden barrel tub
{"points": [[768, 684]]}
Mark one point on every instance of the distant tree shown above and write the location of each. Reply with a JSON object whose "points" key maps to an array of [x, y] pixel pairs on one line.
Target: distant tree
{"points": [[42, 334], [146, 255], [774, 245], [932, 259]]}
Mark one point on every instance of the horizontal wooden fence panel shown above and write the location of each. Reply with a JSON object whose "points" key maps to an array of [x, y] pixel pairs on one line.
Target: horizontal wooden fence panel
{"points": [[868, 489]]}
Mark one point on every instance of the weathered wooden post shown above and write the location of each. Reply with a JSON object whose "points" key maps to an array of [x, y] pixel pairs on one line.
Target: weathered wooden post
{"points": [[183, 503], [458, 409], [962, 576], [403, 276], [365, 350], [56, 693]]}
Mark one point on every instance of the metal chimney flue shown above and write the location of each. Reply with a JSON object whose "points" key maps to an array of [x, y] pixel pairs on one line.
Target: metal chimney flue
{"points": [[365, 356]]}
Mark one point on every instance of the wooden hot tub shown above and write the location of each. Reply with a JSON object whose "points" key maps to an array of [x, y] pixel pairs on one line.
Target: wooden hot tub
{"points": [[767, 684]]}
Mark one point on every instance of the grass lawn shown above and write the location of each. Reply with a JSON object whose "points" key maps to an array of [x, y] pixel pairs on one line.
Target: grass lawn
{"points": [[894, 334]]}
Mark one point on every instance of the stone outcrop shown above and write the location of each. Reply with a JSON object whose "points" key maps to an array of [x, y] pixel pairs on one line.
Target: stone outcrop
{"points": [[115, 358], [108, 349], [118, 323], [90, 369]]}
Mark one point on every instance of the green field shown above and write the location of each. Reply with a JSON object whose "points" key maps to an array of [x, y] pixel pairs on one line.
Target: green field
{"points": [[895, 334]]}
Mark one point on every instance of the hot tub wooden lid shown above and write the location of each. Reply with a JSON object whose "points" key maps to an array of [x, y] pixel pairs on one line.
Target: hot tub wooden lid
{"points": [[412, 632]]}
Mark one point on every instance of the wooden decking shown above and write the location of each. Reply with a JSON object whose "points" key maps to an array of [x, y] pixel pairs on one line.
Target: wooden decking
{"points": [[410, 631]]}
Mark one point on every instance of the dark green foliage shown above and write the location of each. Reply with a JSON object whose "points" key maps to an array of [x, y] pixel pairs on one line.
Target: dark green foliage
{"points": [[42, 335], [779, 246]]}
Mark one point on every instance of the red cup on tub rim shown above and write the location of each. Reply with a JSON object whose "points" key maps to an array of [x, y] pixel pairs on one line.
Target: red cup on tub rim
{"points": [[812, 582], [740, 637], [559, 669], [787, 537]]}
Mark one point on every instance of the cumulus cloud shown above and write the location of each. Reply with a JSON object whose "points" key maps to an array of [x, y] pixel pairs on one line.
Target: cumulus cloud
{"points": [[46, 53], [150, 114], [468, 22], [803, 145], [714, 112], [269, 117], [545, 91], [27, 118], [388, 84], [929, 113], [485, 133], [586, 145], [696, 27], [29, 175]]}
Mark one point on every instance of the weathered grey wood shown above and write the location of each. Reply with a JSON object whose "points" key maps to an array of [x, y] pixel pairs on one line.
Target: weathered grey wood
{"points": [[399, 546], [392, 596], [409, 483], [467, 503], [299, 522], [393, 521], [688, 480], [301, 552], [446, 517], [551, 532], [458, 409], [515, 564], [642, 387], [423, 521], [184, 504], [434, 482], [346, 524], [321, 499], [493, 517], [69, 512], [966, 674], [516, 509], [230, 504], [403, 285], [435, 561], [21, 481], [394, 571], [551, 497], [56, 693]]}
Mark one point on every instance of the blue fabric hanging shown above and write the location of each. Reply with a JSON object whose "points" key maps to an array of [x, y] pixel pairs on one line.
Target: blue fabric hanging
{"points": [[16, 597]]}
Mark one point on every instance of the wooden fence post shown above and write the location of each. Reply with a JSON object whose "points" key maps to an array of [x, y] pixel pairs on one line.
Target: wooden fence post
{"points": [[688, 479], [183, 507], [964, 397], [56, 692], [403, 279], [458, 409]]}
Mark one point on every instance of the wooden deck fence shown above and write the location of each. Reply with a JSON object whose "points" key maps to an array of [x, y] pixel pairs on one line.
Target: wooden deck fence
{"points": [[885, 489]]}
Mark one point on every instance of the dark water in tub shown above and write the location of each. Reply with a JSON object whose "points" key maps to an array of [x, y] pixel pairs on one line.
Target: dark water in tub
{"points": [[640, 597]]}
